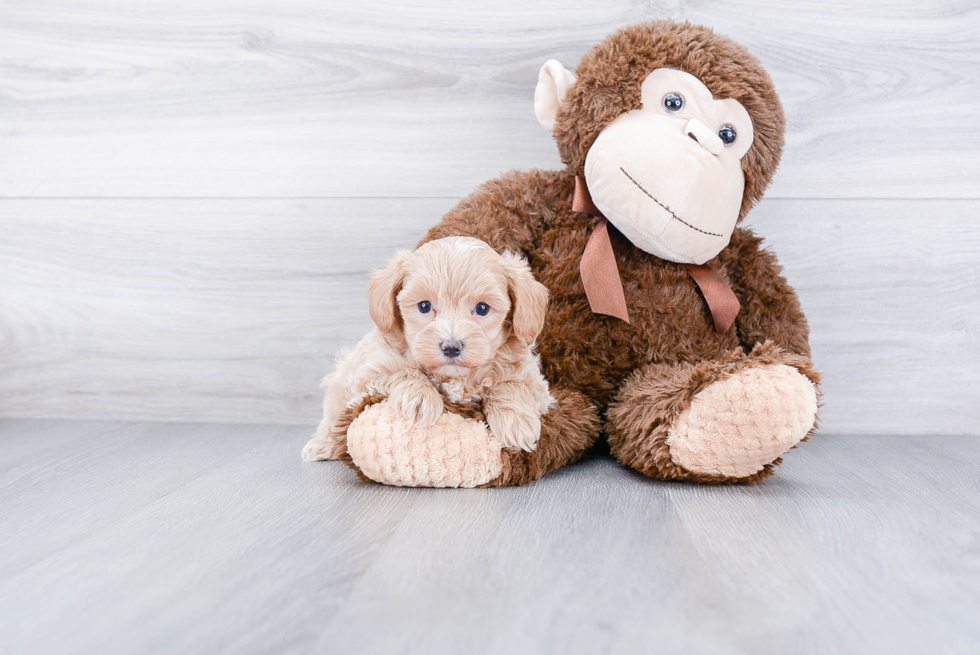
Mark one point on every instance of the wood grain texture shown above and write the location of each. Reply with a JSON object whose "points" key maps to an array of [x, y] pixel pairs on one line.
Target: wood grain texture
{"points": [[180, 310], [139, 538], [322, 136], [427, 99], [230, 310]]}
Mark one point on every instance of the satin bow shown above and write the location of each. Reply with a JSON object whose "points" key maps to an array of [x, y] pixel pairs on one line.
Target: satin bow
{"points": [[604, 287]]}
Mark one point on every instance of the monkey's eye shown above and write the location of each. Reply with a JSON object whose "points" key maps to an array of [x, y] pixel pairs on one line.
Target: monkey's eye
{"points": [[673, 102], [482, 309], [425, 306], [727, 134]]}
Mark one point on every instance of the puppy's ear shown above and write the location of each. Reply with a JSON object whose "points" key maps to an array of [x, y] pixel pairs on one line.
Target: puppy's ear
{"points": [[383, 292], [530, 298]]}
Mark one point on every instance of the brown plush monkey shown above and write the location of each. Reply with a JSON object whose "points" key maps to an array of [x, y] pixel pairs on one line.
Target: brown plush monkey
{"points": [[670, 329]]}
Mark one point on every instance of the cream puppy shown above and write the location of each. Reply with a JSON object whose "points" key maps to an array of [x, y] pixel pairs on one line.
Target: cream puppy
{"points": [[454, 319]]}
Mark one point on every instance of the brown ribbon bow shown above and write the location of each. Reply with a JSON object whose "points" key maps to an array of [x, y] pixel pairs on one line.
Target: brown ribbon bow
{"points": [[604, 287]]}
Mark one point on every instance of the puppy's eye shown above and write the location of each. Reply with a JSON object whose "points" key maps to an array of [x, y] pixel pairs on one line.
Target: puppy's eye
{"points": [[482, 309], [425, 306]]}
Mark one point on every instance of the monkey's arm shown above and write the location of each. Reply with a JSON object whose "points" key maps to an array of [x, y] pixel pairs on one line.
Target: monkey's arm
{"points": [[508, 212], [770, 308]]}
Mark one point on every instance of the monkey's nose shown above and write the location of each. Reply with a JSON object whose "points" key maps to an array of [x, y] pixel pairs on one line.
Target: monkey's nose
{"points": [[451, 348], [705, 136]]}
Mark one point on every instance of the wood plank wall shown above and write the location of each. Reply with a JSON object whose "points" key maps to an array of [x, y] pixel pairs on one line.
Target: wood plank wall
{"points": [[192, 193]]}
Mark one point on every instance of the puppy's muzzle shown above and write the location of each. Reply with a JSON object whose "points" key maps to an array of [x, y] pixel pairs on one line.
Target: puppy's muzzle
{"points": [[451, 348]]}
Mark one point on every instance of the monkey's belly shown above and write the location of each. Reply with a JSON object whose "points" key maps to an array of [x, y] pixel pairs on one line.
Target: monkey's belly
{"points": [[593, 353]]}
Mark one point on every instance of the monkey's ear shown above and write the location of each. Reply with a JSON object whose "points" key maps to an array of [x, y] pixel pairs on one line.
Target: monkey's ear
{"points": [[383, 293], [554, 81]]}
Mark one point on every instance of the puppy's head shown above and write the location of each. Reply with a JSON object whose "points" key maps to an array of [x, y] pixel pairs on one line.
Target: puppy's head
{"points": [[456, 302]]}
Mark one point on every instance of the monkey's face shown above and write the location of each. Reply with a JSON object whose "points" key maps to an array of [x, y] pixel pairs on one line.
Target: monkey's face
{"points": [[669, 175]]}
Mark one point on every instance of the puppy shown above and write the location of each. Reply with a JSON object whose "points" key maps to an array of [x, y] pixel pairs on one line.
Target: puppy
{"points": [[454, 319]]}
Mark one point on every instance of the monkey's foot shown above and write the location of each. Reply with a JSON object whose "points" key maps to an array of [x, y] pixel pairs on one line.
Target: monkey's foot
{"points": [[736, 426], [459, 450], [717, 421], [455, 452]]}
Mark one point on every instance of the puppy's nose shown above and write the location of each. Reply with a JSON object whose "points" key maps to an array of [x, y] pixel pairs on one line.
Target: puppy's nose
{"points": [[451, 348]]}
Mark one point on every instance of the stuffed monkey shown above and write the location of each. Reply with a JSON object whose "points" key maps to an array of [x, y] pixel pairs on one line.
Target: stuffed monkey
{"points": [[670, 329]]}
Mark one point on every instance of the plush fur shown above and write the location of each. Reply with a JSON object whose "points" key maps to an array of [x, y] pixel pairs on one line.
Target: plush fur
{"points": [[405, 358], [413, 458], [653, 398], [610, 75], [639, 382], [454, 452]]}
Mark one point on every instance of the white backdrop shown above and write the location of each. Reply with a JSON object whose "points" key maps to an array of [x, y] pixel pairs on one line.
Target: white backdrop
{"points": [[192, 193]]}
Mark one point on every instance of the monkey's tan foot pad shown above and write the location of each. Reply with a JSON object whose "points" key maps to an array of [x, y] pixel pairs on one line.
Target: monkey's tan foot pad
{"points": [[735, 426], [455, 452]]}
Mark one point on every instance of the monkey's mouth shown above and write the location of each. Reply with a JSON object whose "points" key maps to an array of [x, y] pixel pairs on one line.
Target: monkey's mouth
{"points": [[665, 207]]}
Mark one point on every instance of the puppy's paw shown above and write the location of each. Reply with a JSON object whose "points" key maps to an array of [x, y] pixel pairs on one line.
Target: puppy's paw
{"points": [[420, 403], [514, 427], [430, 407], [320, 448]]}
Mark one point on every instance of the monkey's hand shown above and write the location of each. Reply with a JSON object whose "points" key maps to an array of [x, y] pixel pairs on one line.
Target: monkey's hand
{"points": [[414, 397]]}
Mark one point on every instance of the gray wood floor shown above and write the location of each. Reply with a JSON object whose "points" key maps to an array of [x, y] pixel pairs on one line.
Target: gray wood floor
{"points": [[206, 538]]}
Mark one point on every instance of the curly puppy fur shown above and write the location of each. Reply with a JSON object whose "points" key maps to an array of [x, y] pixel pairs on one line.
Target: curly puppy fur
{"points": [[645, 372], [455, 320]]}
